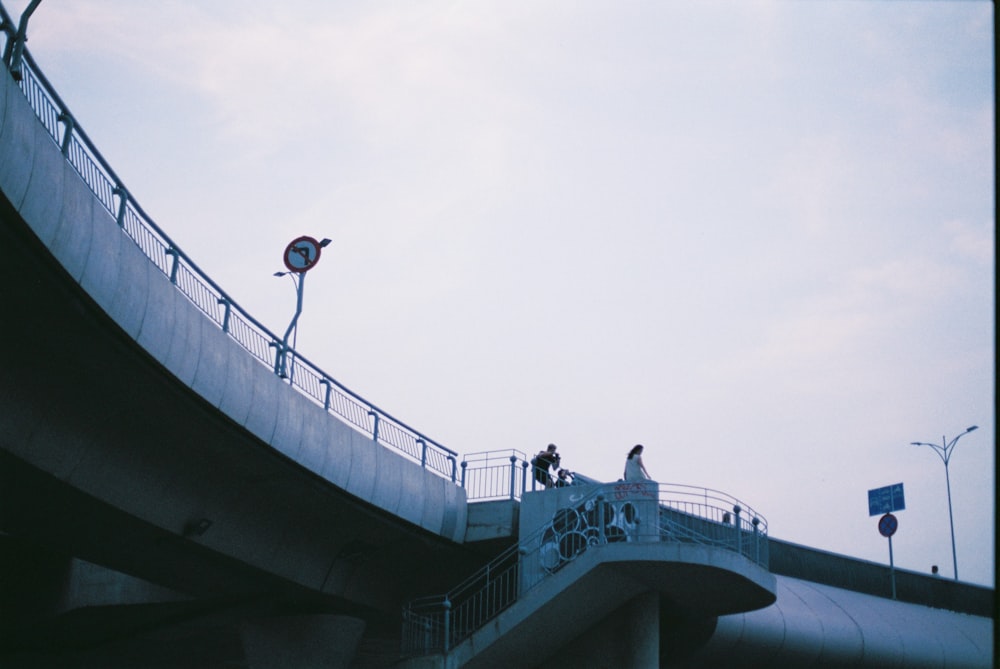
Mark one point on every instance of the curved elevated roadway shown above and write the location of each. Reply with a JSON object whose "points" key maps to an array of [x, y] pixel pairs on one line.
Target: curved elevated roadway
{"points": [[136, 435]]}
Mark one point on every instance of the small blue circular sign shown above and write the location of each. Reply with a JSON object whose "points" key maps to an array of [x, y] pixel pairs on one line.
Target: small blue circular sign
{"points": [[887, 525]]}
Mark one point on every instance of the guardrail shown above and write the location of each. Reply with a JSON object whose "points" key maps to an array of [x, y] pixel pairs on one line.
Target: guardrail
{"points": [[493, 475], [504, 474], [204, 293], [609, 514]]}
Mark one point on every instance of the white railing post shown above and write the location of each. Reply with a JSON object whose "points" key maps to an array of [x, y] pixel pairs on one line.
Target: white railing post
{"points": [[756, 539], [602, 536], [513, 475], [122, 194], [68, 124], [228, 307], [374, 415], [171, 251], [736, 524], [326, 398], [423, 452]]}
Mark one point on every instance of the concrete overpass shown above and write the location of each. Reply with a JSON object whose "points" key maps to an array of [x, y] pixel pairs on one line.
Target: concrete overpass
{"points": [[138, 436], [167, 500]]}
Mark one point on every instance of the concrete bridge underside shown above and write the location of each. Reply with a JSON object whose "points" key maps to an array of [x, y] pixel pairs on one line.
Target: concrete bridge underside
{"points": [[107, 458]]}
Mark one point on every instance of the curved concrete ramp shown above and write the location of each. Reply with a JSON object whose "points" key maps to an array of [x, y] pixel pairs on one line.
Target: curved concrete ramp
{"points": [[193, 461], [704, 580], [124, 285], [814, 625], [606, 618]]}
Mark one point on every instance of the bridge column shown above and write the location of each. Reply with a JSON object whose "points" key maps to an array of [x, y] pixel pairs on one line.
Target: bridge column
{"points": [[629, 637], [306, 642]]}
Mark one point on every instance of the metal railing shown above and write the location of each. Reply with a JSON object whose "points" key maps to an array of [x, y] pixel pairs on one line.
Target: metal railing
{"points": [[709, 517], [685, 514], [204, 293], [504, 474], [494, 475]]}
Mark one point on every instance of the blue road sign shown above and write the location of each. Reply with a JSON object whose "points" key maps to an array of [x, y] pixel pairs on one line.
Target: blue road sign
{"points": [[886, 500]]}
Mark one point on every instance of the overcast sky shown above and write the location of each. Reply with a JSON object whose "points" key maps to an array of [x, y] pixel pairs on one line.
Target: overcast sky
{"points": [[756, 237]]}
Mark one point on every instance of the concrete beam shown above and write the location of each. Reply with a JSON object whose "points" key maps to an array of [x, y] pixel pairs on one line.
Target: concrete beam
{"points": [[488, 521]]}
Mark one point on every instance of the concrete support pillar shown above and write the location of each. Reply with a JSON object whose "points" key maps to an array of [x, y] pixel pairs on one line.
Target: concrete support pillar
{"points": [[641, 632], [304, 642], [628, 637]]}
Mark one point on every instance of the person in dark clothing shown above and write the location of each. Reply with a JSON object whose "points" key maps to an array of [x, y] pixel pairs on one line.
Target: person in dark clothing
{"points": [[542, 463]]}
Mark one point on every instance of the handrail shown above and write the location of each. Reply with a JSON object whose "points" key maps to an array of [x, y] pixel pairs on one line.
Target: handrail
{"points": [[503, 474], [200, 289], [685, 514], [494, 475]]}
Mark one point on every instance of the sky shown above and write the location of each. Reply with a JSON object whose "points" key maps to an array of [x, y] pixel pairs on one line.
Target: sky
{"points": [[755, 237]]}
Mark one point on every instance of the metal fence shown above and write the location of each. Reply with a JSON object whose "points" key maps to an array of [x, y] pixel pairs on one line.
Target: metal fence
{"points": [[494, 475], [204, 293], [436, 623], [709, 517], [505, 474], [685, 514]]}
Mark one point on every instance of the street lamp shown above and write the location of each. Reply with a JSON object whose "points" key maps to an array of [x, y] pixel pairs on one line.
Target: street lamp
{"points": [[945, 451], [300, 256], [281, 363]]}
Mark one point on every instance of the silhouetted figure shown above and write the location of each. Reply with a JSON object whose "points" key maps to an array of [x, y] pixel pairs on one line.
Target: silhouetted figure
{"points": [[634, 469], [542, 463]]}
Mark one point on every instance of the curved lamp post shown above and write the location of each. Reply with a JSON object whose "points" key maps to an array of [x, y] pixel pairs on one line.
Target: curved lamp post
{"points": [[301, 255], [281, 369], [944, 451]]}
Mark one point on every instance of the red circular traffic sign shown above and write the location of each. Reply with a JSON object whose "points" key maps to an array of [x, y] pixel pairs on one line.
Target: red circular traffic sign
{"points": [[302, 254], [887, 525]]}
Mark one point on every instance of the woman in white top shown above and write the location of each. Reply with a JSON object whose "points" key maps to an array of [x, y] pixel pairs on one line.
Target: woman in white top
{"points": [[634, 469]]}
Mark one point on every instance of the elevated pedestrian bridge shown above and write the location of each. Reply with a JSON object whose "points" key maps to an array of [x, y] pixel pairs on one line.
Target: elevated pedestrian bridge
{"points": [[594, 549]]}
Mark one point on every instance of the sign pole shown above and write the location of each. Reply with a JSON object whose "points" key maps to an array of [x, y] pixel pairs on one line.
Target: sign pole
{"points": [[887, 526], [892, 570], [885, 500], [301, 255]]}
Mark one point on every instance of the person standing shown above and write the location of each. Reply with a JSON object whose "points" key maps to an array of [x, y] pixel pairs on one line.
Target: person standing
{"points": [[634, 469], [542, 463]]}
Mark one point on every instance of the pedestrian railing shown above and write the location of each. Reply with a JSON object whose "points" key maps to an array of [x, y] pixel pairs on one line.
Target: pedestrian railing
{"points": [[709, 517], [611, 513], [504, 474], [494, 475], [204, 293]]}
